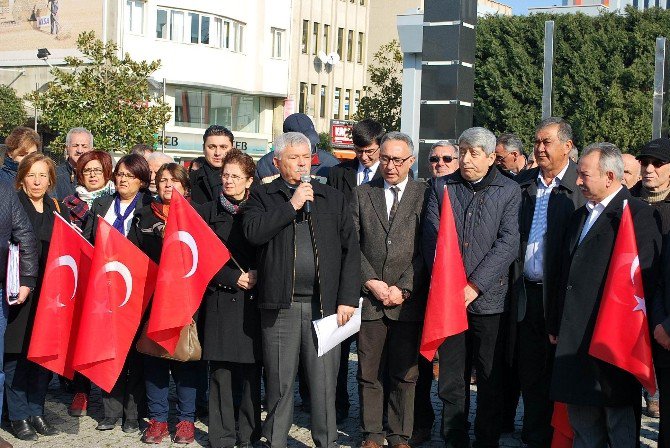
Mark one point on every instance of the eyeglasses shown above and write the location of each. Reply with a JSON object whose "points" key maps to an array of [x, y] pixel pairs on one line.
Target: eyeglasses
{"points": [[500, 159], [94, 171], [126, 175], [397, 161], [445, 159], [233, 177], [657, 163], [367, 152]]}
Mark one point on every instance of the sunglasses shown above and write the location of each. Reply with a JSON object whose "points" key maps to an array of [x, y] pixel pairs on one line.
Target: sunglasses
{"points": [[657, 163], [445, 159]]}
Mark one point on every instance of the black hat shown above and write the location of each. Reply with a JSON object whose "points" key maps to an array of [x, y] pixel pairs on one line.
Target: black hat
{"points": [[658, 149], [303, 124]]}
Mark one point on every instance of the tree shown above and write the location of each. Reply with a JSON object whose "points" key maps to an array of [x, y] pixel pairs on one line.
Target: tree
{"points": [[108, 95], [382, 99], [12, 113]]}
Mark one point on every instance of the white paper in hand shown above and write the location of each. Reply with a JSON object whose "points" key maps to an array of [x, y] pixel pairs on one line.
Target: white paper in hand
{"points": [[329, 335], [12, 283]]}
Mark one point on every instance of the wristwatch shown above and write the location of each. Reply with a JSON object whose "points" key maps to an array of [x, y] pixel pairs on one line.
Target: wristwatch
{"points": [[406, 293]]}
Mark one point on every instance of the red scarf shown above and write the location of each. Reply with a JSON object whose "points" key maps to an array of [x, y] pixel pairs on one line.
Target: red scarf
{"points": [[160, 210]]}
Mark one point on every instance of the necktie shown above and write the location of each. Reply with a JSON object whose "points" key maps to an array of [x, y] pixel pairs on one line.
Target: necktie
{"points": [[394, 206], [366, 175]]}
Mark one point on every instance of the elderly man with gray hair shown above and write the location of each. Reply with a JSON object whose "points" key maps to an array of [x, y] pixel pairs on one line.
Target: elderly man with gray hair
{"points": [[485, 204], [77, 142], [443, 158], [308, 268], [509, 154], [155, 161]]}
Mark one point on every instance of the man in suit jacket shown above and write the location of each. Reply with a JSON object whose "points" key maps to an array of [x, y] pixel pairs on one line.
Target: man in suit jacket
{"points": [[602, 399], [549, 196], [387, 216]]}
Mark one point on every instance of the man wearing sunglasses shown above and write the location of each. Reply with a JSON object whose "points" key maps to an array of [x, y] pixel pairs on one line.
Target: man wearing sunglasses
{"points": [[509, 154], [443, 159]]}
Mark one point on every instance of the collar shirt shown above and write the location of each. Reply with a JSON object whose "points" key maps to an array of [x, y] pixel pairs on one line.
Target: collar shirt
{"points": [[595, 210], [388, 194], [360, 173], [533, 268]]}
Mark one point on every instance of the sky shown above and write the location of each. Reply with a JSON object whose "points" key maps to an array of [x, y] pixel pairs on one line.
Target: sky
{"points": [[520, 7]]}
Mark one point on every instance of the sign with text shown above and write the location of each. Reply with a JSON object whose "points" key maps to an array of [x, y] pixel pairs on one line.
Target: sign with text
{"points": [[193, 142], [340, 134]]}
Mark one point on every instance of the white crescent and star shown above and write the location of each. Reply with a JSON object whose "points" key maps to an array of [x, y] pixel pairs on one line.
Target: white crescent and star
{"points": [[67, 260], [122, 269], [187, 239], [641, 303]]}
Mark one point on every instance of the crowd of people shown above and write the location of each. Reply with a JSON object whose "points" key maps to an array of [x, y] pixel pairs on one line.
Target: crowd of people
{"points": [[535, 239]]}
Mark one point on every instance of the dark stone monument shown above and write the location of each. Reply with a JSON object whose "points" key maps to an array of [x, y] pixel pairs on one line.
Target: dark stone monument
{"points": [[661, 114]]}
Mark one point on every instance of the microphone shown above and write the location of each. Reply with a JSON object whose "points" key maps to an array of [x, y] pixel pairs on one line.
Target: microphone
{"points": [[308, 204]]}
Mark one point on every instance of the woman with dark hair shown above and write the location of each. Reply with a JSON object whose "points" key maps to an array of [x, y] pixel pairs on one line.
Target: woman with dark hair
{"points": [[229, 318], [94, 180], [26, 383], [147, 233], [131, 178], [20, 142]]}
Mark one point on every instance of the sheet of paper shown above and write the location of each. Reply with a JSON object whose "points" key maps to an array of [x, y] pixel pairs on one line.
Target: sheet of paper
{"points": [[12, 282], [329, 334]]}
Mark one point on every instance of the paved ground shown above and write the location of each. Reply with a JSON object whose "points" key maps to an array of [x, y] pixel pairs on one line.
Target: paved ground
{"points": [[81, 433]]}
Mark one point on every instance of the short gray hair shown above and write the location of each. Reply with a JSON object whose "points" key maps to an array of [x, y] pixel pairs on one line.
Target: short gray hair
{"points": [[564, 128], [511, 143], [610, 158], [574, 154], [71, 132], [399, 136], [439, 143], [290, 139], [160, 156], [479, 138]]}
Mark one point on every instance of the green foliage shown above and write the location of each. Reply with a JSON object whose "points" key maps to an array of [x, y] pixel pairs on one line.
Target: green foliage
{"points": [[12, 113], [108, 95], [324, 142], [383, 98], [603, 74]]}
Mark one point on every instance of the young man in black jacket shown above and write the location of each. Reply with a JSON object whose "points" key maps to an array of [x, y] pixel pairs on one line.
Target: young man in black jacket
{"points": [[206, 182]]}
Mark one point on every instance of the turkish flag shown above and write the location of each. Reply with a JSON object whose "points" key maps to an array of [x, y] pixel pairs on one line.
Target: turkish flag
{"points": [[122, 279], [563, 433], [623, 306], [191, 255], [58, 308], [445, 311]]}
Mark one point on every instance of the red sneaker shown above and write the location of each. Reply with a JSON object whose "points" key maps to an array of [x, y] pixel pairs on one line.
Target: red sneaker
{"points": [[79, 405], [155, 432], [185, 432]]}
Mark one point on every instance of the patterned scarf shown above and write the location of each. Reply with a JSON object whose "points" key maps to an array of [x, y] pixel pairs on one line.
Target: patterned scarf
{"points": [[90, 196], [160, 210], [232, 207]]}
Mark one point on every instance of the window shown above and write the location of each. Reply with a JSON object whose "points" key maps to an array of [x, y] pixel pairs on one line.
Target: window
{"points": [[315, 38], [312, 100], [161, 24], [305, 36], [177, 26], [350, 46], [194, 22], [135, 15], [347, 104], [195, 28], [238, 31], [322, 103], [336, 103], [325, 41], [362, 2], [302, 105], [225, 38], [340, 43], [359, 53], [278, 43], [357, 100], [204, 30], [201, 108]]}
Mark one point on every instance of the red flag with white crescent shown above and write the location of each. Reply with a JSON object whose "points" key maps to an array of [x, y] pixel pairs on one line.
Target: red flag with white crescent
{"points": [[122, 280], [191, 255], [59, 305]]}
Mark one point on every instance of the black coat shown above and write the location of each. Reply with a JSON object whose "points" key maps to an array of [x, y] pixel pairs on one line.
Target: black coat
{"points": [[100, 208], [343, 177], [22, 317], [577, 377], [15, 227], [663, 208], [66, 181], [205, 184], [269, 224], [229, 318]]}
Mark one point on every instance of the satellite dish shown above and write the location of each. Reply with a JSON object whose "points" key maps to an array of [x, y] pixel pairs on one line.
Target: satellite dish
{"points": [[323, 57], [333, 58]]}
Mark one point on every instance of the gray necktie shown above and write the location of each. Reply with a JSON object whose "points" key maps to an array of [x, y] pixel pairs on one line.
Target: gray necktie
{"points": [[394, 206]]}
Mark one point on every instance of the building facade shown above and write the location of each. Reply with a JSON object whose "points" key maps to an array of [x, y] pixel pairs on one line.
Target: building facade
{"points": [[595, 7]]}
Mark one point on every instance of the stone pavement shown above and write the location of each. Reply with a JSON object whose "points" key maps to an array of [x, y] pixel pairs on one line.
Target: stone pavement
{"points": [[81, 433]]}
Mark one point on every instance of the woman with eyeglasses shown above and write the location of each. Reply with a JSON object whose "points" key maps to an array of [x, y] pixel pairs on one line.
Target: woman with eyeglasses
{"points": [[147, 232], [229, 319], [131, 179], [26, 383]]}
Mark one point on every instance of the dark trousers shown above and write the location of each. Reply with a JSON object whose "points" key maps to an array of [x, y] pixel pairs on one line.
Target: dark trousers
{"points": [[157, 382], [26, 385], [81, 384], [342, 391], [481, 345], [663, 380], [392, 347], [424, 415], [225, 379], [202, 385], [535, 357], [128, 395], [511, 394], [288, 335]]}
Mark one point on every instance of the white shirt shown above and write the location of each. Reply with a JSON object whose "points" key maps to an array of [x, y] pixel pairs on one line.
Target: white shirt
{"points": [[110, 216], [360, 173], [595, 210], [388, 194], [533, 268]]}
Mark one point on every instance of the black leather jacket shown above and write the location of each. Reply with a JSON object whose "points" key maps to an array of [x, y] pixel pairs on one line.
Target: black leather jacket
{"points": [[15, 227]]}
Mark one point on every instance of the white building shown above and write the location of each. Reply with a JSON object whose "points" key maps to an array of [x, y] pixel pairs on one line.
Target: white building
{"points": [[595, 7], [222, 62]]}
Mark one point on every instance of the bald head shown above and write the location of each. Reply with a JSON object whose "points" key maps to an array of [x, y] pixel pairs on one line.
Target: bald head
{"points": [[631, 170]]}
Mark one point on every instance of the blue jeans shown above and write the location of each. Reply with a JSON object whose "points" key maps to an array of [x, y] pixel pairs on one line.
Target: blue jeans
{"points": [[157, 380], [4, 312]]}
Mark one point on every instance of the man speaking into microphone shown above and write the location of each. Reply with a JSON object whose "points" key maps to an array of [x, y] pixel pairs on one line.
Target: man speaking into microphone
{"points": [[308, 268]]}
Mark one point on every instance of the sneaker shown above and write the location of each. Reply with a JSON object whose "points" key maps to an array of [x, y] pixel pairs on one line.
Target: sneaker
{"points": [[79, 405], [155, 432], [185, 432]]}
